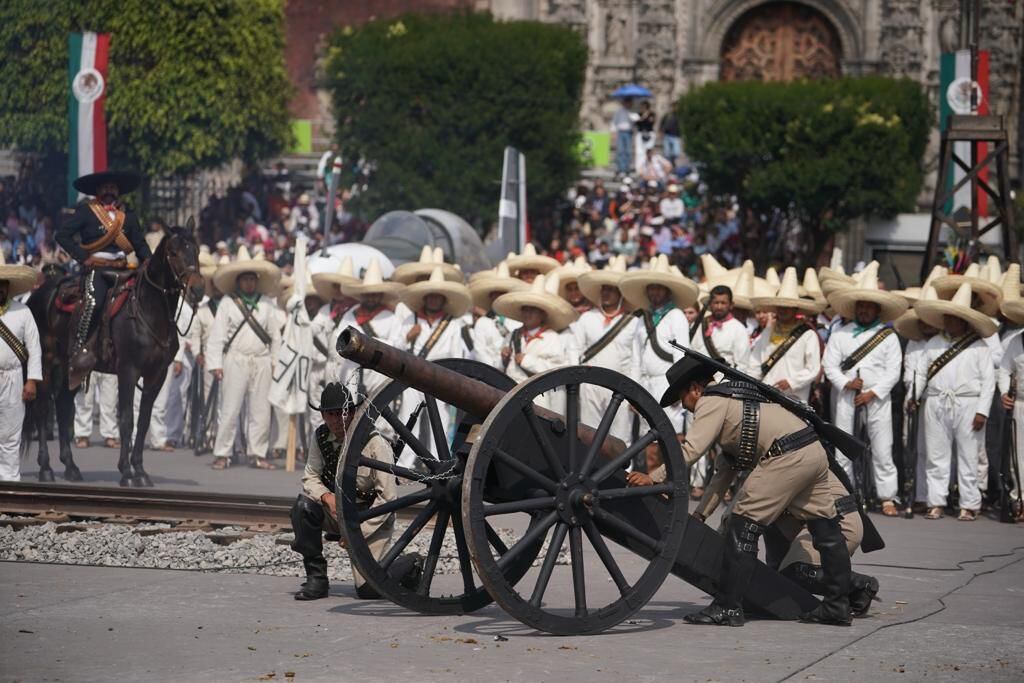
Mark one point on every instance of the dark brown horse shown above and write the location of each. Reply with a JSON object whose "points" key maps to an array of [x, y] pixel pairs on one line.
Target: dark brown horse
{"points": [[144, 337]]}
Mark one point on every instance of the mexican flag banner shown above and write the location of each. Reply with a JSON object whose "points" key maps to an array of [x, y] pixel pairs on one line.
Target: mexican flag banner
{"points": [[87, 90], [954, 80]]}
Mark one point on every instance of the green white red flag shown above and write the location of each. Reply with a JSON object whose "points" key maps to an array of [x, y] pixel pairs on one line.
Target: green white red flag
{"points": [[87, 92], [955, 67]]}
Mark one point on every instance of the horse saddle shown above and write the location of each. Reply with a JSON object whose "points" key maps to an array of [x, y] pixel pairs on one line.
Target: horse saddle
{"points": [[70, 291]]}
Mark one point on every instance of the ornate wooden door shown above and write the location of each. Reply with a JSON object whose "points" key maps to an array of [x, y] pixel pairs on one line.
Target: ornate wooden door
{"points": [[780, 41]]}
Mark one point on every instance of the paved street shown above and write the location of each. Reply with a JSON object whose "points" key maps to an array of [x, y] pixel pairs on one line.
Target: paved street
{"points": [[952, 598]]}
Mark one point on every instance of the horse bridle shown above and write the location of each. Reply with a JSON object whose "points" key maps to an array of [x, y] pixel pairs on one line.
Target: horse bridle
{"points": [[180, 285]]}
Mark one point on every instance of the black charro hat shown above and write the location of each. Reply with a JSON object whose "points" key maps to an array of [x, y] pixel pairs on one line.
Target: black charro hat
{"points": [[679, 376], [336, 396], [126, 182]]}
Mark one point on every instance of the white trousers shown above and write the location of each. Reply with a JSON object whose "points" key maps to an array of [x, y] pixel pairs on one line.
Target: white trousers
{"points": [[947, 421], [879, 417], [593, 404], [12, 414], [177, 400], [101, 395], [410, 400], [244, 376], [1018, 415]]}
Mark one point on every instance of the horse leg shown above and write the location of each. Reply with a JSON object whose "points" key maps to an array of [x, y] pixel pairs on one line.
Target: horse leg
{"points": [[126, 379], [149, 393], [65, 418], [38, 415]]}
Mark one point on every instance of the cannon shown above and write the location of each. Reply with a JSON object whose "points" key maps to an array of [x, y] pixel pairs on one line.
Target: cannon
{"points": [[511, 461]]}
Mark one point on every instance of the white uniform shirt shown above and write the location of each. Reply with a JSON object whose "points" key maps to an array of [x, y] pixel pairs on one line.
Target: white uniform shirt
{"points": [[731, 340], [879, 370], [544, 352], [970, 375], [448, 345], [646, 362], [246, 343], [800, 366], [616, 355], [1012, 363], [199, 335], [490, 336], [910, 356], [18, 318], [383, 324]]}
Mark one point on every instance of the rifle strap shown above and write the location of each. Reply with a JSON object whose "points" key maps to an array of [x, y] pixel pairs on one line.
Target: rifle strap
{"points": [[17, 346], [783, 348], [607, 338], [434, 337], [249, 320], [955, 349], [467, 338], [862, 351], [652, 337], [708, 338]]}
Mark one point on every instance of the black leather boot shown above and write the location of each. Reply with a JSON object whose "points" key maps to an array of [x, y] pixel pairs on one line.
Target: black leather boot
{"points": [[307, 523], [807, 576], [864, 588], [835, 562], [741, 538]]}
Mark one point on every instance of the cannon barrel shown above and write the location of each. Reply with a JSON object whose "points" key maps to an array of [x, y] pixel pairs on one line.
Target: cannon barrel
{"points": [[474, 397]]}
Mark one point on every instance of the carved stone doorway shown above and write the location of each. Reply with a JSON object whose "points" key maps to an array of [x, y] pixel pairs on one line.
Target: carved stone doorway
{"points": [[780, 41]]}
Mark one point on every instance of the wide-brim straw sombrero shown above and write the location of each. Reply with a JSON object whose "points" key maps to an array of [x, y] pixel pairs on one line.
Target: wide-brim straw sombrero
{"points": [[373, 283], [891, 305], [788, 296], [542, 294], [456, 295], [20, 279], [906, 326], [912, 294], [634, 285], [932, 311], [590, 283], [207, 263], [430, 258], [497, 280], [90, 184], [570, 273], [1012, 307], [989, 294], [329, 285], [531, 260], [227, 274]]}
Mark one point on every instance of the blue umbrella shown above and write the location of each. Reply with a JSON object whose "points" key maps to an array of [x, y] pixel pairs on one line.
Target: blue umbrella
{"points": [[632, 90]]}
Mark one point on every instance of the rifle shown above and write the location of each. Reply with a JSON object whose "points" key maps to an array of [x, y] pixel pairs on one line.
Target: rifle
{"points": [[910, 454], [832, 437], [1009, 470], [695, 325], [862, 478]]}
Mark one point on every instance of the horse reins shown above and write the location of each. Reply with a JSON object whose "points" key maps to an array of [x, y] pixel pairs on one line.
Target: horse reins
{"points": [[177, 288]]}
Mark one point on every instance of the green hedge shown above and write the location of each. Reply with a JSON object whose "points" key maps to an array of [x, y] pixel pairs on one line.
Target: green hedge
{"points": [[431, 101], [192, 83], [825, 152]]}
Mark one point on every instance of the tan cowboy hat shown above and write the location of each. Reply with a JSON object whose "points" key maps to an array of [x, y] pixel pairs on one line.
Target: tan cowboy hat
{"points": [[329, 284], [531, 260], [1012, 306], [634, 284], [497, 280], [20, 279], [570, 272], [788, 296], [269, 275], [372, 283], [989, 293], [591, 282], [844, 301], [456, 295], [542, 294], [931, 311], [430, 258]]}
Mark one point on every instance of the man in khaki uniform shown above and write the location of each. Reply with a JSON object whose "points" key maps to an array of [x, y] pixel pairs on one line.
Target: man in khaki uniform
{"points": [[788, 474], [316, 508]]}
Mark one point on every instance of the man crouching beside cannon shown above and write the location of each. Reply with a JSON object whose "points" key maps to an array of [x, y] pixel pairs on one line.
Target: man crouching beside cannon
{"points": [[316, 509], [788, 473]]}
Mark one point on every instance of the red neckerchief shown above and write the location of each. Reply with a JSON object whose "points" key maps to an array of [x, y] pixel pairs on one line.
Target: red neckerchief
{"points": [[364, 315], [339, 309], [527, 337], [609, 318], [716, 324], [430, 319]]}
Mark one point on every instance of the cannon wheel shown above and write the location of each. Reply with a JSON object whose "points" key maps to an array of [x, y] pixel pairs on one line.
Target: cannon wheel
{"points": [[438, 500], [570, 490]]}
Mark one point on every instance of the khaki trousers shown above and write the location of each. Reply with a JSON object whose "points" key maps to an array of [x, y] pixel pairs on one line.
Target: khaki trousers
{"points": [[796, 482]]}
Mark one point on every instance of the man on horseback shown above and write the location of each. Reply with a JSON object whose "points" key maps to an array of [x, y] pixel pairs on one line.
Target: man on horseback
{"points": [[99, 235], [20, 363]]}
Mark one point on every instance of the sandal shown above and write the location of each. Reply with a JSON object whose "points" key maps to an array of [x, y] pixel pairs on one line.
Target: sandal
{"points": [[696, 493], [263, 464], [112, 443], [934, 513], [889, 509], [967, 515], [219, 463], [81, 442]]}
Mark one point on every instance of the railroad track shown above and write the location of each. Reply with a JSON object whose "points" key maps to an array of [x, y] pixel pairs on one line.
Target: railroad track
{"points": [[147, 505]]}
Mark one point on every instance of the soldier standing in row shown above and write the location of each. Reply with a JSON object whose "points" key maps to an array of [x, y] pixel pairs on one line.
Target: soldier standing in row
{"points": [[492, 331], [374, 318], [1011, 373], [242, 348], [20, 363]]}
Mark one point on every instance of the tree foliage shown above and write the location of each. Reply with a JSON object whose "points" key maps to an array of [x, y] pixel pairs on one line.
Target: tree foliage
{"points": [[824, 152], [191, 83], [431, 102]]}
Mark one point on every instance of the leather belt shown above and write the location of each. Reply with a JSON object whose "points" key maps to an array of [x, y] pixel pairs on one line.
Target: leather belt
{"points": [[846, 505], [791, 442]]}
